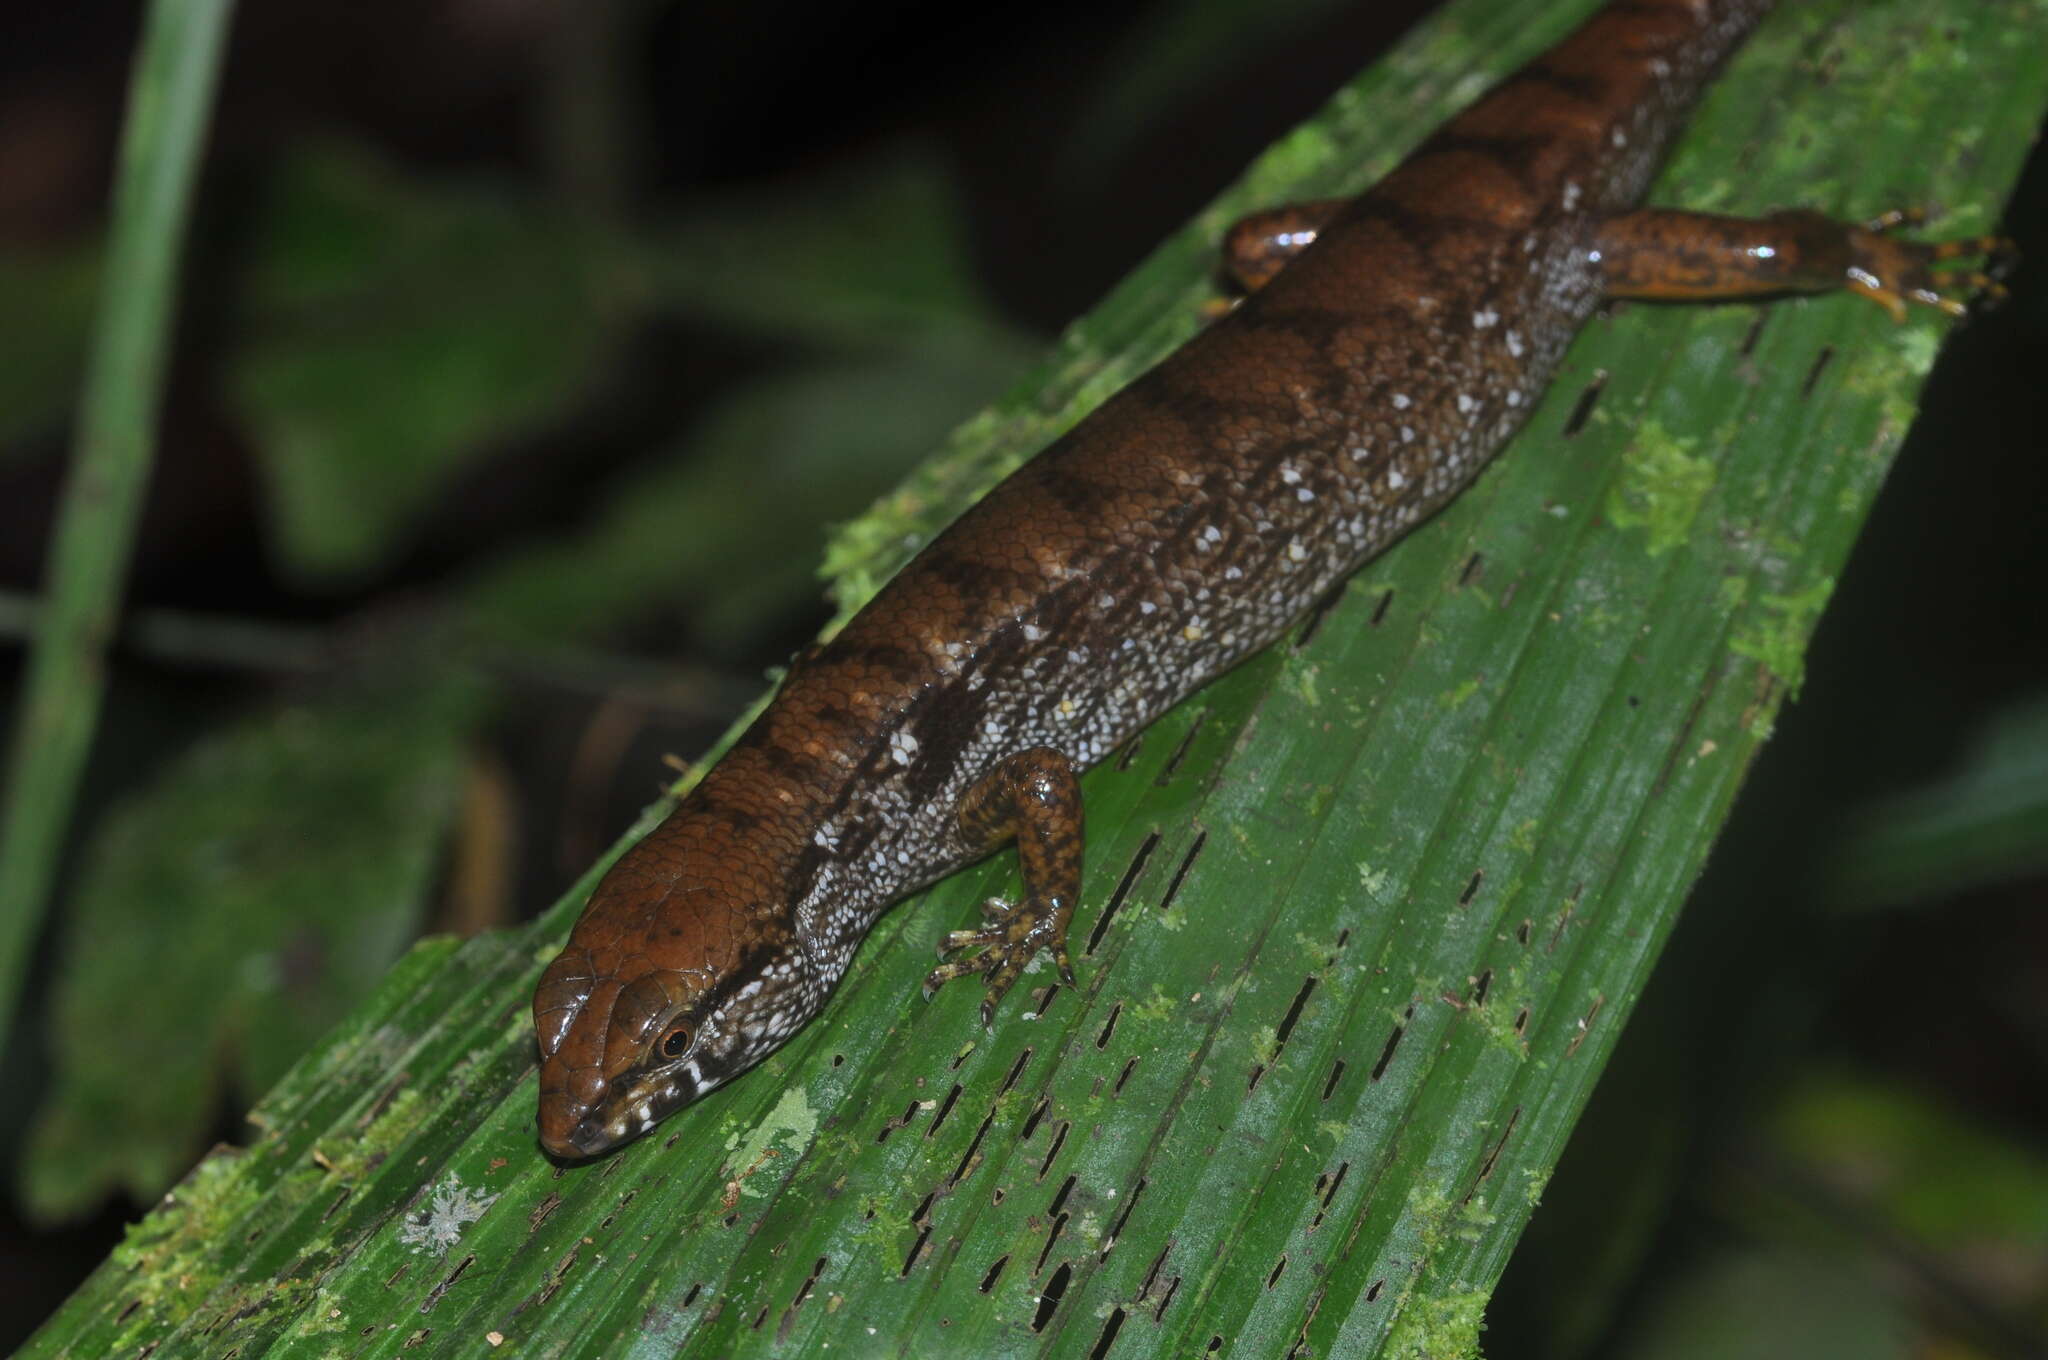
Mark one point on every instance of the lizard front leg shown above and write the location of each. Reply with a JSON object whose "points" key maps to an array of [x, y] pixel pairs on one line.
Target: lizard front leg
{"points": [[1035, 798]]}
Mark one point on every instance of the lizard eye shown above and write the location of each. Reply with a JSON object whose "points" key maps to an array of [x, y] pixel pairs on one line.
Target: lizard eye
{"points": [[675, 1043]]}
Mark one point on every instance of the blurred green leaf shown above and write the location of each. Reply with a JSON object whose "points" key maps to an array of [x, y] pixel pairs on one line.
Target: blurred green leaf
{"points": [[1854, 1186], [394, 327], [1776, 1305], [1950, 1183], [228, 915], [43, 330], [1986, 822], [870, 253]]}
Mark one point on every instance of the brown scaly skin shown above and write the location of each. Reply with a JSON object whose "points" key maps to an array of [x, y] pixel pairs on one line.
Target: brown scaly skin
{"points": [[1183, 525]]}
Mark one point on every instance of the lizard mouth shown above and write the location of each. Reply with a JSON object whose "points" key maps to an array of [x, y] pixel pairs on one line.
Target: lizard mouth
{"points": [[573, 1130], [586, 1137]]}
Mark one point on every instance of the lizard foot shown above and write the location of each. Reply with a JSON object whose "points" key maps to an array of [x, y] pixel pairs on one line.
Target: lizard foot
{"points": [[1892, 272], [1000, 950]]}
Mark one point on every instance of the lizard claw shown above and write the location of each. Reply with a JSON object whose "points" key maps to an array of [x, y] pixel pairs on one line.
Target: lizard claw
{"points": [[1001, 950]]}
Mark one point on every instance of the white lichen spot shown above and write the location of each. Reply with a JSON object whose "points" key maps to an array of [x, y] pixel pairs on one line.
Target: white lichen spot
{"points": [[1295, 552], [1572, 191], [439, 1226], [1304, 495], [1147, 607], [1401, 402], [1212, 534], [1232, 573], [1407, 434], [1289, 475], [1032, 632], [1514, 339], [1395, 480], [1618, 137], [1359, 453], [1466, 404], [1484, 318], [1514, 397]]}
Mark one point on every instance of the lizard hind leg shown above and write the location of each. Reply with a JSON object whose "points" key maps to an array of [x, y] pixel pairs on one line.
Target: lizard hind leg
{"points": [[1035, 798], [1668, 255]]}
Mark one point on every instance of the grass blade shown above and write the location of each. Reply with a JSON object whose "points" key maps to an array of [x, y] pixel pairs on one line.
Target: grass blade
{"points": [[168, 106]]}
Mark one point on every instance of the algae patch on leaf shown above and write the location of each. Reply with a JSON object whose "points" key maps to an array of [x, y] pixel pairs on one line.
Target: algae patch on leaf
{"points": [[1662, 487], [1777, 638]]}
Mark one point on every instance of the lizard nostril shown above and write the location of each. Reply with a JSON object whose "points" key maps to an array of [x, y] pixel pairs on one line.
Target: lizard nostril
{"points": [[590, 1137]]}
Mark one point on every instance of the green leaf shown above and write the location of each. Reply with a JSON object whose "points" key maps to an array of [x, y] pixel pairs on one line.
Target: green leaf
{"points": [[1981, 824], [398, 327], [871, 255], [1777, 1305], [1858, 1217], [1364, 917], [282, 865], [1944, 1182]]}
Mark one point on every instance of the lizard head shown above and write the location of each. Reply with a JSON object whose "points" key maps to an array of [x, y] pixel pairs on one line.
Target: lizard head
{"points": [[671, 984]]}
